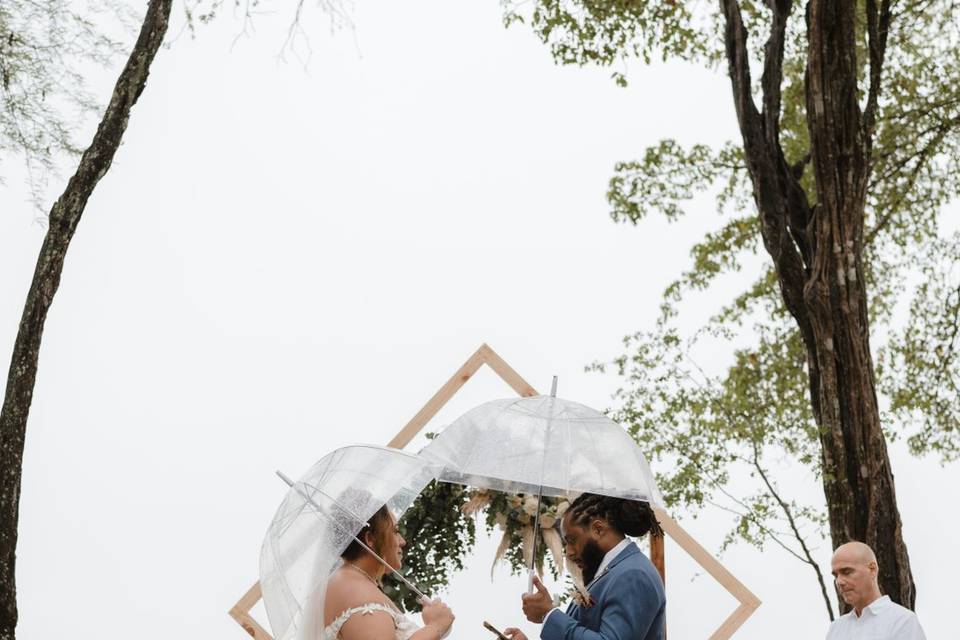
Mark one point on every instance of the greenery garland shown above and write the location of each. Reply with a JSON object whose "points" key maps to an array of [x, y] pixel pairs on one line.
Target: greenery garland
{"points": [[440, 530], [439, 536]]}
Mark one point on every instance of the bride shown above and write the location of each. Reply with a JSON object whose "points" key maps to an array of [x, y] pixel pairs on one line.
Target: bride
{"points": [[355, 608]]}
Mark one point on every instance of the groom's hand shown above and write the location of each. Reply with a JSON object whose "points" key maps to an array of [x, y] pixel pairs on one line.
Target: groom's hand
{"points": [[514, 634], [538, 604]]}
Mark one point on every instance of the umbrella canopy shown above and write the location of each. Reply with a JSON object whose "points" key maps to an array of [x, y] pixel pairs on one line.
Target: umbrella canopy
{"points": [[317, 520], [520, 445]]}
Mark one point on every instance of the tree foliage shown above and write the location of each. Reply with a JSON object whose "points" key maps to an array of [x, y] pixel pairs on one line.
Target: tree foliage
{"points": [[47, 50], [753, 416]]}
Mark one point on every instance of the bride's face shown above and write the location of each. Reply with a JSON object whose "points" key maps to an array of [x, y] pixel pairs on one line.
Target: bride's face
{"points": [[393, 545]]}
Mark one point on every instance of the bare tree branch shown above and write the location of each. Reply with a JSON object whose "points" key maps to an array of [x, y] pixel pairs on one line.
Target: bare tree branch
{"points": [[807, 557], [793, 526], [922, 156]]}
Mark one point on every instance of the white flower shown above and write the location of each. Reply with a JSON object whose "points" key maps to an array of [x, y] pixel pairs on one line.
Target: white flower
{"points": [[562, 508], [515, 501], [547, 521], [530, 505]]}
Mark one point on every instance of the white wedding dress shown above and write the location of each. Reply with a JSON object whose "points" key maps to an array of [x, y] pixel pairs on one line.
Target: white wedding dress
{"points": [[404, 628]]}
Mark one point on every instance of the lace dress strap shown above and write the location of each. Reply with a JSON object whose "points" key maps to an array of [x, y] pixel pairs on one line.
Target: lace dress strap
{"points": [[333, 629]]}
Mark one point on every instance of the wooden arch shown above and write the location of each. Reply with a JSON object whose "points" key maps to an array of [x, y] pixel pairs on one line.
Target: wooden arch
{"points": [[487, 356]]}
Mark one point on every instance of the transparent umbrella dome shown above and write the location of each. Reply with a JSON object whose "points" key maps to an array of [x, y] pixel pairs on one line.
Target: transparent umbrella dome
{"points": [[318, 518], [520, 445]]}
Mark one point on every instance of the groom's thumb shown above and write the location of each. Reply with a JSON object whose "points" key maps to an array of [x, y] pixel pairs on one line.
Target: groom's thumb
{"points": [[539, 585]]}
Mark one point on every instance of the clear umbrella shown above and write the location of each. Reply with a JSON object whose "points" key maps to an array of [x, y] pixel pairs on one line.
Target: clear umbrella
{"points": [[523, 445], [319, 517], [542, 445]]}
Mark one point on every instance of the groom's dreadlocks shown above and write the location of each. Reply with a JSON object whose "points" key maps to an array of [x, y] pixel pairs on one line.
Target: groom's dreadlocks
{"points": [[629, 517]]}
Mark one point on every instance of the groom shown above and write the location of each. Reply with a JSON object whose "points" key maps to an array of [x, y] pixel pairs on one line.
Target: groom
{"points": [[626, 599]]}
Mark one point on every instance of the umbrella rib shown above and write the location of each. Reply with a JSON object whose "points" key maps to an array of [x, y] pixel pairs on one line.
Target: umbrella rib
{"points": [[353, 515]]}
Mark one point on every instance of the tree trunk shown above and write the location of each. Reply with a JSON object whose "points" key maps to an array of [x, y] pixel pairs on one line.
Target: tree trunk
{"points": [[857, 478], [818, 255], [64, 217]]}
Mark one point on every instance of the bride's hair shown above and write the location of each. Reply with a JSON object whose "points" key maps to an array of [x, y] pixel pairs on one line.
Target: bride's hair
{"points": [[378, 526], [629, 517]]}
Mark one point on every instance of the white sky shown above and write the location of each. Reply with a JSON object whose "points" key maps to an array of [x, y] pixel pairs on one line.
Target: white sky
{"points": [[283, 261]]}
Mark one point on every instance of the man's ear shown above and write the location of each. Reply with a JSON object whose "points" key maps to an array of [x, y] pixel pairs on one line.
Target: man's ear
{"points": [[598, 526], [873, 568]]}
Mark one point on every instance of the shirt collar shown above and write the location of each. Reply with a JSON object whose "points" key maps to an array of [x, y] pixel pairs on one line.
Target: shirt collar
{"points": [[610, 555], [874, 607], [877, 605]]}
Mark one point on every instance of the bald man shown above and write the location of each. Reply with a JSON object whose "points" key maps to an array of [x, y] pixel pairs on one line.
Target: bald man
{"points": [[873, 616]]}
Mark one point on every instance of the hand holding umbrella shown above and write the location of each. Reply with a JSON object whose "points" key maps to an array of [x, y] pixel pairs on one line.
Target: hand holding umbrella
{"points": [[538, 604]]}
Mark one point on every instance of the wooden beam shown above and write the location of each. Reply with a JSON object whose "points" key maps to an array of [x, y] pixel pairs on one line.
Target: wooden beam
{"points": [[506, 372], [440, 398], [734, 621], [241, 613], [483, 355], [748, 601]]}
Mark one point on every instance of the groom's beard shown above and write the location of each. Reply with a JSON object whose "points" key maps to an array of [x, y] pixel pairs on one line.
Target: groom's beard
{"points": [[591, 557]]}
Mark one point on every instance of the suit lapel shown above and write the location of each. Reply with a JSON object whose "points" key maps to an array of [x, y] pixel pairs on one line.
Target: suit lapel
{"points": [[620, 557]]}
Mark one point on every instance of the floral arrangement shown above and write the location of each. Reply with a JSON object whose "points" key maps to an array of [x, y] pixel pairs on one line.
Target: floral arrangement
{"points": [[440, 529], [514, 516]]}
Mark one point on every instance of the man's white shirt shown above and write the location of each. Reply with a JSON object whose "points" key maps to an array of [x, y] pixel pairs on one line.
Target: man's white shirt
{"points": [[882, 619], [607, 559]]}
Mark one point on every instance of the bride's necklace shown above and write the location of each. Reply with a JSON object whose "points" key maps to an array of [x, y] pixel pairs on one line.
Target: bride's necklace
{"points": [[369, 577]]}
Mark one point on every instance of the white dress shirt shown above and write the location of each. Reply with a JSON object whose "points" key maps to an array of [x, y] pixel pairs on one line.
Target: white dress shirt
{"points": [[607, 559], [882, 619]]}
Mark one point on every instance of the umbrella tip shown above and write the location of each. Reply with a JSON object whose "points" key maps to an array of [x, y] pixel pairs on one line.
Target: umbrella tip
{"points": [[553, 387]]}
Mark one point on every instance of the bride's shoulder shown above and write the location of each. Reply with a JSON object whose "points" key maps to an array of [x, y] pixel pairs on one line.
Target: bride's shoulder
{"points": [[346, 591]]}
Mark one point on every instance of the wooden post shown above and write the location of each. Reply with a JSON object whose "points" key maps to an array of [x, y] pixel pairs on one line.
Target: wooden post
{"points": [[241, 613], [657, 552]]}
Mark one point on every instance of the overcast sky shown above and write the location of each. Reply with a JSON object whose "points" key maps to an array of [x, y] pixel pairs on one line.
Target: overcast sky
{"points": [[284, 260]]}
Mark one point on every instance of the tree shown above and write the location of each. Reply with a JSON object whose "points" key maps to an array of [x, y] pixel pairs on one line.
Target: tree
{"points": [[63, 219], [44, 50], [848, 150]]}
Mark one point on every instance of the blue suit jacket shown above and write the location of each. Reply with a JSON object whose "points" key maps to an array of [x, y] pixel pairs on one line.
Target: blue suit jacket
{"points": [[629, 604]]}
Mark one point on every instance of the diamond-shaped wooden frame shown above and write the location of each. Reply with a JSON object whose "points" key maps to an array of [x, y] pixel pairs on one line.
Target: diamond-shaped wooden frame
{"points": [[487, 356]]}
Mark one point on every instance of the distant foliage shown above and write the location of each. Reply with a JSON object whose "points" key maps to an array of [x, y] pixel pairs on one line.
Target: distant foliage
{"points": [[47, 49]]}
